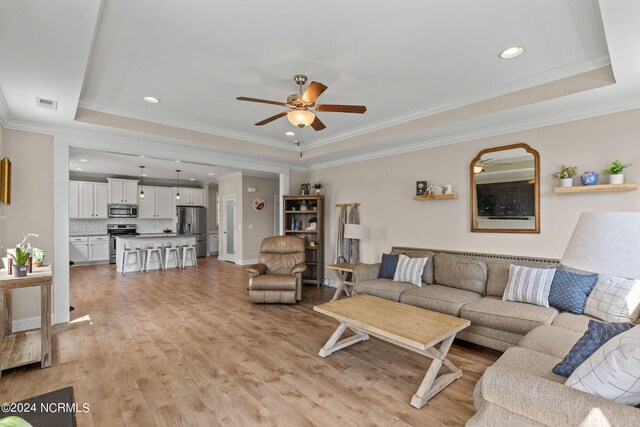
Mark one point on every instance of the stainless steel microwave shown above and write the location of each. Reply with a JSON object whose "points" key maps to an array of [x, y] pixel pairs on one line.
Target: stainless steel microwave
{"points": [[123, 211]]}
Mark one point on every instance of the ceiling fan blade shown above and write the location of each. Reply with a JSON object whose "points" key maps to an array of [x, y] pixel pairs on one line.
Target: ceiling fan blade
{"points": [[262, 101], [333, 108], [314, 90], [317, 124], [272, 118]]}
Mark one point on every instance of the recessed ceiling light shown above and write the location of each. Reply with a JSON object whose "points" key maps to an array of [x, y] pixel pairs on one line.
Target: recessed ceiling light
{"points": [[179, 161], [143, 157], [211, 174], [511, 52], [289, 133], [144, 174], [84, 160], [192, 179], [79, 169], [151, 99]]}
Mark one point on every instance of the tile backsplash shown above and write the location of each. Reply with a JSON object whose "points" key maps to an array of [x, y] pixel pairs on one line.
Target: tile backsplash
{"points": [[99, 226]]}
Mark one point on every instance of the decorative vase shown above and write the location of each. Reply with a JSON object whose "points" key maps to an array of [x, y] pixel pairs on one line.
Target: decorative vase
{"points": [[20, 270], [566, 182], [303, 206], [589, 178], [38, 263], [616, 179]]}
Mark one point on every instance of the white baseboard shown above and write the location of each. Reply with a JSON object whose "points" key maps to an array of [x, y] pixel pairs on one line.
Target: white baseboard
{"points": [[247, 261]]}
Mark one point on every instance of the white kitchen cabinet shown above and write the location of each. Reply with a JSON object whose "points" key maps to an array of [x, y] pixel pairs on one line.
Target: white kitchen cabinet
{"points": [[191, 196], [98, 248], [79, 249], [156, 204], [92, 200], [74, 199], [123, 191]]}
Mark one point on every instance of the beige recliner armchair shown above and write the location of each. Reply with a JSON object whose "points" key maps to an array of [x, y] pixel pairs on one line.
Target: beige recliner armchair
{"points": [[277, 278]]}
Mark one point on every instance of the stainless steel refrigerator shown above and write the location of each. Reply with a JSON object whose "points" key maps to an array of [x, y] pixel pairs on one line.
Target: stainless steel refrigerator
{"points": [[192, 221]]}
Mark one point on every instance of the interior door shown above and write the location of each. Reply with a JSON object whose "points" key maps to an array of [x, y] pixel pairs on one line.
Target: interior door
{"points": [[229, 228]]}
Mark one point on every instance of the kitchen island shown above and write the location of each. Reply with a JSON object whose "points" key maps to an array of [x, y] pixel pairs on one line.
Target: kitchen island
{"points": [[149, 241]]}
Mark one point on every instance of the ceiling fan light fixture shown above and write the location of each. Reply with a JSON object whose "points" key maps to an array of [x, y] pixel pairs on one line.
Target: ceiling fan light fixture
{"points": [[301, 118]]}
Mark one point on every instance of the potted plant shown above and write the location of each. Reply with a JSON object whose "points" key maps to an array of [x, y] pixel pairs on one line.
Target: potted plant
{"points": [[614, 170], [566, 175], [317, 186], [20, 256], [37, 256]]}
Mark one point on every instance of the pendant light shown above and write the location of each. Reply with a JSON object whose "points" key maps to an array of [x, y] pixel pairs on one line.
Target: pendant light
{"points": [[142, 182], [178, 184]]}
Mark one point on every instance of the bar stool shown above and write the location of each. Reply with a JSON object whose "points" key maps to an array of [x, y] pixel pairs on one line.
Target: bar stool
{"points": [[189, 249], [169, 249], [152, 249], [131, 250]]}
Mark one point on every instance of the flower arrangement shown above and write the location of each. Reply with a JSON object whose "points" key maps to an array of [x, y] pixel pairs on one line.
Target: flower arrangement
{"points": [[23, 250]]}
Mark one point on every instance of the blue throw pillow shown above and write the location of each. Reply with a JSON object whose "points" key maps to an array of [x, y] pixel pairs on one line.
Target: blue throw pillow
{"points": [[595, 337], [569, 291], [388, 266]]}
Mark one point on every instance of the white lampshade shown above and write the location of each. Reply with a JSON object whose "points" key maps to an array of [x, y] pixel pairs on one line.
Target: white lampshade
{"points": [[301, 118], [606, 242], [355, 231]]}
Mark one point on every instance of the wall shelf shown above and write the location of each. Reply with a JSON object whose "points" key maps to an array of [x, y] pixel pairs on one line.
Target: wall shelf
{"points": [[437, 197], [597, 188]]}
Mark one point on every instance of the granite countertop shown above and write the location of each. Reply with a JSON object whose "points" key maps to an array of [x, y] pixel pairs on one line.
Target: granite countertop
{"points": [[155, 236], [88, 235]]}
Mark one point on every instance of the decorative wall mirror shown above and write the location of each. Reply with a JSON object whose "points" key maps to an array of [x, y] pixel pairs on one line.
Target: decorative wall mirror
{"points": [[505, 190]]}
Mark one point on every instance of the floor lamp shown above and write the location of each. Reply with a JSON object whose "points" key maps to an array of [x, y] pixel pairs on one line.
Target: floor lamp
{"points": [[355, 232]]}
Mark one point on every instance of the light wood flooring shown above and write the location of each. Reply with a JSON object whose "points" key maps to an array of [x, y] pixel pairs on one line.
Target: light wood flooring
{"points": [[183, 348]]}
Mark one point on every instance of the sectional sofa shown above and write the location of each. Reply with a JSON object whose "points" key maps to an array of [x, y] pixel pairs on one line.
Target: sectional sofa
{"points": [[520, 388]]}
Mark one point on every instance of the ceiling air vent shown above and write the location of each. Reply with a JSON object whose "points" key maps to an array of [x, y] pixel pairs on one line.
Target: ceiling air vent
{"points": [[46, 103]]}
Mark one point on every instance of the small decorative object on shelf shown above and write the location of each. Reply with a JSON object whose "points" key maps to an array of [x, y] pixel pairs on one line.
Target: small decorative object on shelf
{"points": [[566, 175], [38, 257], [421, 188], [448, 189], [20, 256], [303, 206], [317, 186], [589, 178], [614, 170], [304, 189]]}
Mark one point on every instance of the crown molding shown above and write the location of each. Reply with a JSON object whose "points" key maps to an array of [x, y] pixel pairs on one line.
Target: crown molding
{"points": [[230, 176], [549, 120], [4, 110], [184, 124], [537, 79], [157, 147]]}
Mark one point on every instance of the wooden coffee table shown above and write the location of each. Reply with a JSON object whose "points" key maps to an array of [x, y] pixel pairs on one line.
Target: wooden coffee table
{"points": [[413, 328]]}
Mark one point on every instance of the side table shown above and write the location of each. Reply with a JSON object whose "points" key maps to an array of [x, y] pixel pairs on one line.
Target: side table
{"points": [[342, 270], [25, 347]]}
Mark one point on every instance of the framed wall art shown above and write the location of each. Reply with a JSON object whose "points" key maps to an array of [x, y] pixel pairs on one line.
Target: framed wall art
{"points": [[5, 181], [258, 204]]}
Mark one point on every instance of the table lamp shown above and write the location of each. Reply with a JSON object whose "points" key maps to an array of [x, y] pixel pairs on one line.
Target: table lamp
{"points": [[607, 243]]}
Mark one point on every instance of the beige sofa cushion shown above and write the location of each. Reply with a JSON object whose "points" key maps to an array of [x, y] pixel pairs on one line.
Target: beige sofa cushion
{"points": [[427, 275], [573, 322], [509, 316], [442, 299], [531, 362], [551, 340], [383, 288], [273, 282], [460, 272]]}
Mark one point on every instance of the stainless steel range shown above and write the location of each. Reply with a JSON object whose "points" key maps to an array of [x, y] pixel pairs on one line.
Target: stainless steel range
{"points": [[114, 230]]}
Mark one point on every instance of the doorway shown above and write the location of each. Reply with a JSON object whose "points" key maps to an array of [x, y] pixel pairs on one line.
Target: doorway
{"points": [[229, 228]]}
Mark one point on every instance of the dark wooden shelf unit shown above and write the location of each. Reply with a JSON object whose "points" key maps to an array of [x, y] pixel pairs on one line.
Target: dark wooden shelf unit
{"points": [[314, 274]]}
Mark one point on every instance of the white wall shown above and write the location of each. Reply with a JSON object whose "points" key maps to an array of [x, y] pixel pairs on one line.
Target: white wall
{"points": [[31, 208], [386, 187]]}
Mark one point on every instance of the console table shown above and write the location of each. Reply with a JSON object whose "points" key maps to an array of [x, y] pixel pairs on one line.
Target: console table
{"points": [[25, 347]]}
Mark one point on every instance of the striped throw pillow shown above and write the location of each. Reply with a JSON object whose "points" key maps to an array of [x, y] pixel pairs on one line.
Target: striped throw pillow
{"points": [[613, 371], [530, 285], [614, 299], [410, 270]]}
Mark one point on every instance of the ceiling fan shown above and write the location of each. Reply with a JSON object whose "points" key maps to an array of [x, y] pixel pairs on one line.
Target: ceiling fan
{"points": [[300, 103]]}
